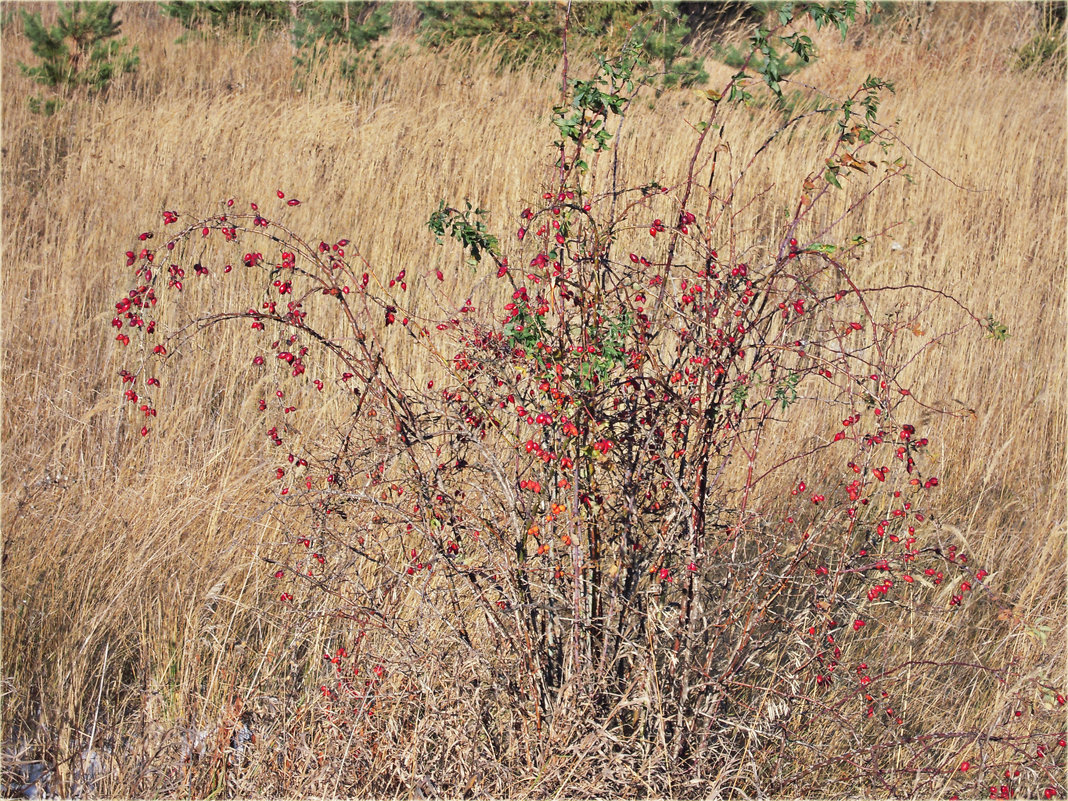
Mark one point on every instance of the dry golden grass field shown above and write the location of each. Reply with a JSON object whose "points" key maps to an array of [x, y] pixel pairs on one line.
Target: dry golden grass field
{"points": [[139, 615]]}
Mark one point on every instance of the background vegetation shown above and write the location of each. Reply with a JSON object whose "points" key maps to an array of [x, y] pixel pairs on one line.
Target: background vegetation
{"points": [[143, 644]]}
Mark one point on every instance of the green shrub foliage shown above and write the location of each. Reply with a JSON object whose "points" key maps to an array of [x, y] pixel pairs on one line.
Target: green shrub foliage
{"points": [[81, 50]]}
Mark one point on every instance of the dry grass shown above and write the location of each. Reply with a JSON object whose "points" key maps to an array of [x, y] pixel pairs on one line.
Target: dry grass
{"points": [[152, 555]]}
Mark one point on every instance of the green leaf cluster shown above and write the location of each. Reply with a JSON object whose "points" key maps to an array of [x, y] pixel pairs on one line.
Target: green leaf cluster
{"points": [[584, 120], [1046, 49], [81, 50], [786, 392], [868, 105], [734, 56], [662, 35], [354, 25], [467, 227], [609, 337], [350, 28], [996, 330], [525, 330], [773, 55], [249, 18], [526, 32], [317, 28]]}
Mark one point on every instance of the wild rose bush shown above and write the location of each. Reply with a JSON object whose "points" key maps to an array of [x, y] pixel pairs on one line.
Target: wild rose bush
{"points": [[586, 520]]}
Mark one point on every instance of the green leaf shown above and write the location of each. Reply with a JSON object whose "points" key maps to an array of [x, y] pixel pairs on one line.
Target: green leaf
{"points": [[739, 395]]}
